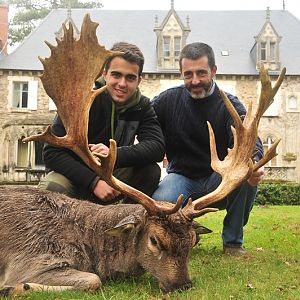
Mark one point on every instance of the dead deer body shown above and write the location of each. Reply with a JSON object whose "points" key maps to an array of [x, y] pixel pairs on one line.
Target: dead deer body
{"points": [[50, 241]]}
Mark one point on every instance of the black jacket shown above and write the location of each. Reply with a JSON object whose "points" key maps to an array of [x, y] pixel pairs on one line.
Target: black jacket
{"points": [[183, 121], [138, 122]]}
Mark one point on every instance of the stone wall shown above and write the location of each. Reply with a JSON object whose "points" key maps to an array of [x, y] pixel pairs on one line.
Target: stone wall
{"points": [[286, 125]]}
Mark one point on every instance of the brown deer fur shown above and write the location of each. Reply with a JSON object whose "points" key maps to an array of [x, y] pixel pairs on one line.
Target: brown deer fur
{"points": [[51, 239]]}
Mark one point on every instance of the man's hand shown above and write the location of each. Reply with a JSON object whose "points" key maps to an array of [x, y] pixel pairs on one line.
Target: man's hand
{"points": [[105, 192], [99, 148], [256, 177]]}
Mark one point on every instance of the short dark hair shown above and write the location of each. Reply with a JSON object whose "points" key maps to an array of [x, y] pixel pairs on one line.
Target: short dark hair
{"points": [[197, 50], [131, 53]]}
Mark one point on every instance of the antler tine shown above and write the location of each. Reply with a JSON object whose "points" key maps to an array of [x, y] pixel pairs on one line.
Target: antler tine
{"points": [[80, 61], [237, 165], [190, 213], [267, 92], [271, 153], [153, 207]]}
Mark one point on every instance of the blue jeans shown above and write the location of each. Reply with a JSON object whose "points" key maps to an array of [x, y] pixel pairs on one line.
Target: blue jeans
{"points": [[238, 203]]}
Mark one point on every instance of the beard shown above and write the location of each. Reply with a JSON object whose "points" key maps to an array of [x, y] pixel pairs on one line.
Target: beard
{"points": [[198, 95]]}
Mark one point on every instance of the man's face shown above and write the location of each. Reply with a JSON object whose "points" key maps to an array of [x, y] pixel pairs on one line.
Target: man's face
{"points": [[197, 76], [122, 79]]}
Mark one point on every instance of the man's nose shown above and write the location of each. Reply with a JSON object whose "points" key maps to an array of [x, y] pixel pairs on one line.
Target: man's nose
{"points": [[195, 78], [122, 81]]}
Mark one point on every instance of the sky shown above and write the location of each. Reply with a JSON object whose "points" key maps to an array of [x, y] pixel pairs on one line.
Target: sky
{"points": [[292, 6]]}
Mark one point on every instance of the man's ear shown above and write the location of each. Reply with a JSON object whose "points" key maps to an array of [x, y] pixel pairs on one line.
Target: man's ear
{"points": [[140, 79], [214, 71], [104, 73]]}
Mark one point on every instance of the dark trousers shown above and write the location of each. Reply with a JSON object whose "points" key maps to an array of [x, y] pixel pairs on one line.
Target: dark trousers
{"points": [[145, 179]]}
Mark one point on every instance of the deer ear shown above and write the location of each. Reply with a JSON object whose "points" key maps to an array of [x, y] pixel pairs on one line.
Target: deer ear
{"points": [[125, 226], [202, 230]]}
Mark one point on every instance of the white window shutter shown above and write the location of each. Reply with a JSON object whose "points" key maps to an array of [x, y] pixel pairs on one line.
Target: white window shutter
{"points": [[52, 105], [32, 94]]}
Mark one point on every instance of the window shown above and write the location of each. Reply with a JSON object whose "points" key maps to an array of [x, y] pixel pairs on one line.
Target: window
{"points": [[22, 154], [274, 109], [30, 154], [267, 145], [38, 157], [20, 94], [23, 91], [292, 103], [272, 51], [263, 51], [177, 46], [225, 53], [166, 46]]}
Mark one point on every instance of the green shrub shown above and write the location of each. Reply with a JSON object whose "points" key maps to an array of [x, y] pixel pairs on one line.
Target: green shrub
{"points": [[278, 194]]}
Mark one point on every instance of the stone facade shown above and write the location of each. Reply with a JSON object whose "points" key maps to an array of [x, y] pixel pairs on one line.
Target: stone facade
{"points": [[26, 109], [17, 123], [21, 162]]}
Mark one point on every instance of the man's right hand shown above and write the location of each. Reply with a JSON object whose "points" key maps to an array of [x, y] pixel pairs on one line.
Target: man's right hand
{"points": [[105, 192]]}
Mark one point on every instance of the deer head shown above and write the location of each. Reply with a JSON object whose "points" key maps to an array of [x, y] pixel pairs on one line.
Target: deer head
{"points": [[69, 74]]}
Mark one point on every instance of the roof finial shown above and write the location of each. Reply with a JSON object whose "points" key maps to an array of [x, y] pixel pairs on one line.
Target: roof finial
{"points": [[283, 5], [156, 21], [268, 14], [172, 4], [69, 9]]}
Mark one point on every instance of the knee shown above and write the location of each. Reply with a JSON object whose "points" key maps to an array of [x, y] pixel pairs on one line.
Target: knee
{"points": [[56, 182], [151, 172], [94, 283]]}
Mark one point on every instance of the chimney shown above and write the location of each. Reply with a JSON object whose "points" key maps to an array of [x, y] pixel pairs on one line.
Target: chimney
{"points": [[3, 28]]}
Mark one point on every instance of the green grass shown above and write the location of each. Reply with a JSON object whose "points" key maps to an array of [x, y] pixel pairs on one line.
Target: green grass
{"points": [[270, 270]]}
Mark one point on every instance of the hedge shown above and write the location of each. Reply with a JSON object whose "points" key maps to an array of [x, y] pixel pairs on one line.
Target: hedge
{"points": [[278, 194]]}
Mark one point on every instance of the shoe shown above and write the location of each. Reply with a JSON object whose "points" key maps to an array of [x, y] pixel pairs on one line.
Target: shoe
{"points": [[234, 251]]}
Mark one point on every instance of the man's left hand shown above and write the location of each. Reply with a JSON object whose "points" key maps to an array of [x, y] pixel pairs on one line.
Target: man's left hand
{"points": [[256, 177]]}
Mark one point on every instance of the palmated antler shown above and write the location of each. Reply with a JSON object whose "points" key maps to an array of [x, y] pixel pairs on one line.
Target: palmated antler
{"points": [[68, 78], [238, 165]]}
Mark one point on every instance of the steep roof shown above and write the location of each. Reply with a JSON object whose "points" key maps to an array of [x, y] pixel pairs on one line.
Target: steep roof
{"points": [[232, 31]]}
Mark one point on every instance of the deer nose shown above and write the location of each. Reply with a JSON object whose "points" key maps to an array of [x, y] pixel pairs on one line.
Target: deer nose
{"points": [[185, 286]]}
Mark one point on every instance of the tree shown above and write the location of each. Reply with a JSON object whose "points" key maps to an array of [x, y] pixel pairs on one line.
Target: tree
{"points": [[28, 14]]}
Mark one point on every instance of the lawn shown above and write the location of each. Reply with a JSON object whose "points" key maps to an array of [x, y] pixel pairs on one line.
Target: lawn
{"points": [[271, 270]]}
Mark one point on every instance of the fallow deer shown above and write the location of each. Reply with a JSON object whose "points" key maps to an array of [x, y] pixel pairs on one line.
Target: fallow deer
{"points": [[50, 241]]}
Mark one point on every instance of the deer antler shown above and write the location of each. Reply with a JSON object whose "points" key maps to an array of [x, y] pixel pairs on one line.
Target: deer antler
{"points": [[68, 78], [237, 165], [69, 74]]}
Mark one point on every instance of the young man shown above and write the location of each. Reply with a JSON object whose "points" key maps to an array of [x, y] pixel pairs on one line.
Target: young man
{"points": [[121, 113], [182, 112]]}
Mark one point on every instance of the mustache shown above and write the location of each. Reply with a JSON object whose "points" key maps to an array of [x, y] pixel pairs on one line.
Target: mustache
{"points": [[193, 86]]}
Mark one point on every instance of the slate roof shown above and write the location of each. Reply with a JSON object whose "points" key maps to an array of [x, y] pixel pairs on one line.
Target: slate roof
{"points": [[233, 31]]}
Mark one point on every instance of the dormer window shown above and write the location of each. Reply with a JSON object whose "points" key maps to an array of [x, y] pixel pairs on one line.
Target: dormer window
{"points": [[272, 51], [263, 51], [177, 46], [266, 49], [171, 37], [167, 47]]}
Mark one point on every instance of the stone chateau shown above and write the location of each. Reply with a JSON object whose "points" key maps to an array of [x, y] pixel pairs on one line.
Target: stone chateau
{"points": [[242, 41]]}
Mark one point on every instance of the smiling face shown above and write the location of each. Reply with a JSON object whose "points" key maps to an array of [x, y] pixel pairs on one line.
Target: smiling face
{"points": [[197, 76], [122, 79]]}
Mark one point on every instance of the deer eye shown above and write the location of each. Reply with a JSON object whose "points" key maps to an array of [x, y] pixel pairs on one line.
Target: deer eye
{"points": [[153, 241]]}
